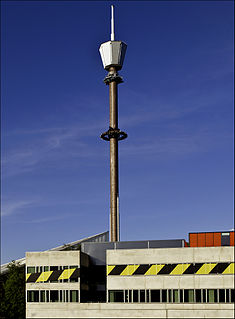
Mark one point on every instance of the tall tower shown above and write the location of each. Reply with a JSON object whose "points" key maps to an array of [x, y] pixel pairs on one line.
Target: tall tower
{"points": [[112, 55]]}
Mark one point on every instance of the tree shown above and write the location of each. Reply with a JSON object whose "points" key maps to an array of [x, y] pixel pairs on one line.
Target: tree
{"points": [[13, 292]]}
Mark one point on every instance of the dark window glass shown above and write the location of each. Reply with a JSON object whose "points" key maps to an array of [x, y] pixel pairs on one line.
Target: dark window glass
{"points": [[42, 296], [232, 295], [175, 295], [164, 295], [135, 296], [61, 295], [116, 296], [47, 296], [66, 296], [155, 295], [130, 296], [41, 269], [204, 295], [181, 295], [211, 295], [227, 295], [147, 295], [54, 296], [33, 296], [73, 296], [189, 295], [221, 295], [46, 268], [198, 295], [142, 296], [169, 296]]}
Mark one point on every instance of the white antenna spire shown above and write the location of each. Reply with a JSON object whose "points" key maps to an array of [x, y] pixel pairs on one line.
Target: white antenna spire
{"points": [[112, 23]]}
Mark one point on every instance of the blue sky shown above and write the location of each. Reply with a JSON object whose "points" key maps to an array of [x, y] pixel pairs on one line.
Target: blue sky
{"points": [[176, 104]]}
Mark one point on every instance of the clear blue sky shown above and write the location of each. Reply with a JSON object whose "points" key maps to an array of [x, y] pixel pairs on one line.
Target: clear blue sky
{"points": [[176, 104]]}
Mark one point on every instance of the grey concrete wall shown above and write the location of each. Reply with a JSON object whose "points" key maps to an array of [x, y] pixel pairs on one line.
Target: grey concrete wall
{"points": [[53, 258], [170, 255], [122, 310]]}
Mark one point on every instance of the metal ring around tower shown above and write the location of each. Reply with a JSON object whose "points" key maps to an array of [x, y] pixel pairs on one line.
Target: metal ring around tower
{"points": [[113, 133]]}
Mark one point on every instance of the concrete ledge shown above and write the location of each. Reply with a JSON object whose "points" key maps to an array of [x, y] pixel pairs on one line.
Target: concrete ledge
{"points": [[122, 310]]}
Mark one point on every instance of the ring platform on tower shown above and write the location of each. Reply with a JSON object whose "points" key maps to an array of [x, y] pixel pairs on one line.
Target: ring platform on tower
{"points": [[113, 133]]}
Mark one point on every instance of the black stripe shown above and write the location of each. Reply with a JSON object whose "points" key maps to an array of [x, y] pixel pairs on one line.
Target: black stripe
{"points": [[219, 268], [167, 269], [117, 270], [141, 270], [75, 274], [193, 268], [55, 275], [33, 277]]}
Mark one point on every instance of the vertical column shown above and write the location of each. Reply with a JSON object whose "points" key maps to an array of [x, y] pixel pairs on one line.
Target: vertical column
{"points": [[113, 123]]}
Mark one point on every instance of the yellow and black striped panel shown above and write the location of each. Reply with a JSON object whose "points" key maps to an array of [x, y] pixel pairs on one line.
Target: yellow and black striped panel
{"points": [[55, 275], [171, 269]]}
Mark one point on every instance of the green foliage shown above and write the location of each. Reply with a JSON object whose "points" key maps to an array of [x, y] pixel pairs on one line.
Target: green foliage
{"points": [[13, 292]]}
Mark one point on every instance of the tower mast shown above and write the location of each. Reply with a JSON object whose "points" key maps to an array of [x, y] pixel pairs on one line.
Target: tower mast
{"points": [[112, 55]]}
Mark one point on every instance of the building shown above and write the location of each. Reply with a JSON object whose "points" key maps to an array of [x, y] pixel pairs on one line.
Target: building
{"points": [[157, 278]]}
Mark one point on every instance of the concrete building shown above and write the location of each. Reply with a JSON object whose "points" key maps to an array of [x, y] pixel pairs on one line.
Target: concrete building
{"points": [[161, 278]]}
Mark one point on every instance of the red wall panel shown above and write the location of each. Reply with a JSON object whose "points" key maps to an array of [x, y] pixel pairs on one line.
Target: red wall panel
{"points": [[217, 239], [209, 239], [193, 240], [232, 238], [201, 239]]}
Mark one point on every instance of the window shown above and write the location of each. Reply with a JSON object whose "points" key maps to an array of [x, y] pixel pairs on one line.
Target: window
{"points": [[204, 295], [198, 296], [54, 296], [33, 296], [164, 295], [175, 295], [169, 296], [42, 296], [127, 296], [147, 295], [188, 295], [212, 295], [135, 296], [142, 295], [155, 295], [181, 295], [227, 295], [232, 295], [116, 296], [221, 295], [73, 296]]}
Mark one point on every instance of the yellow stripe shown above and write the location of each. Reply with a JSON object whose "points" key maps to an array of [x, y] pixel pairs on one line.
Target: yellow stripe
{"points": [[229, 269], [152, 270], [129, 270], [205, 269], [27, 276], [66, 273], [110, 268], [44, 276], [179, 269]]}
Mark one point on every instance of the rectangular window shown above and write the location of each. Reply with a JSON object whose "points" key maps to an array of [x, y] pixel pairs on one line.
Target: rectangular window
{"points": [[204, 295], [155, 295], [164, 295], [175, 295], [232, 295], [73, 295], [221, 295], [47, 296], [42, 296], [198, 296], [116, 296], [66, 296], [169, 295], [31, 270], [189, 295], [227, 295], [135, 296], [212, 295], [46, 268], [33, 296], [54, 296], [147, 295], [142, 295], [181, 295]]}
